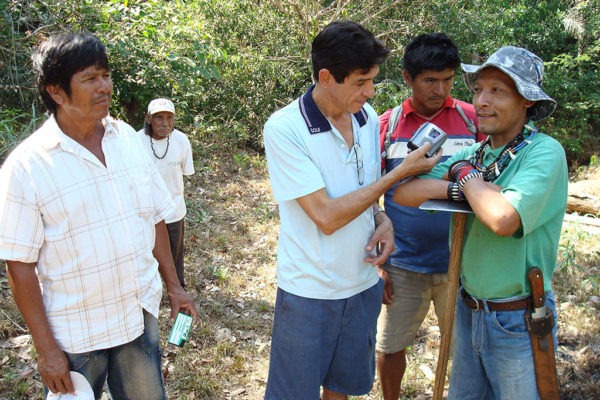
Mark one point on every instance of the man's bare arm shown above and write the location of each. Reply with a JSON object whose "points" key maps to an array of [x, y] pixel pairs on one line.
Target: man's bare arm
{"points": [[416, 191], [53, 364], [332, 214], [179, 299], [491, 207], [485, 198]]}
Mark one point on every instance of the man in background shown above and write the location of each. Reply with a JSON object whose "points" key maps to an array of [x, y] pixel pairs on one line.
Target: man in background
{"points": [[416, 273], [171, 152]]}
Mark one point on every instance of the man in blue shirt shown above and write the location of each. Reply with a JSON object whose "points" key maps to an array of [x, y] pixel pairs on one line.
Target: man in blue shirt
{"points": [[417, 269]]}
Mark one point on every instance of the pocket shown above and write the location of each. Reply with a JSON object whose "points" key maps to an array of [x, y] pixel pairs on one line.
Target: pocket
{"points": [[511, 322], [371, 172], [78, 360], [372, 338], [294, 305], [141, 195], [149, 339]]}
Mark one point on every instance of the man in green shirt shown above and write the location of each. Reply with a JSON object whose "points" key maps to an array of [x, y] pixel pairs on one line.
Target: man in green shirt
{"points": [[516, 184]]}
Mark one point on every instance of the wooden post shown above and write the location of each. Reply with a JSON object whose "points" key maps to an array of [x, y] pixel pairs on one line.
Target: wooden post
{"points": [[458, 231]]}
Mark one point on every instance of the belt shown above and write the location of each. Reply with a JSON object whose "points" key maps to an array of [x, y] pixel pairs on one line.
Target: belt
{"points": [[476, 304]]}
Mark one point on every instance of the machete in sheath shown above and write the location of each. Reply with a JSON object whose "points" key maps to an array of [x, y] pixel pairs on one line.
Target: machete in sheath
{"points": [[539, 324]]}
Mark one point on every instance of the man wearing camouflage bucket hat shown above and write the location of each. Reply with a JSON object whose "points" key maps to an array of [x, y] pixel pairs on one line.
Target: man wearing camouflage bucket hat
{"points": [[516, 184]]}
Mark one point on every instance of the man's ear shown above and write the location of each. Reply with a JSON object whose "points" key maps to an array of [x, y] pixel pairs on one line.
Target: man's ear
{"points": [[529, 103], [149, 119], [56, 93], [407, 78], [325, 77]]}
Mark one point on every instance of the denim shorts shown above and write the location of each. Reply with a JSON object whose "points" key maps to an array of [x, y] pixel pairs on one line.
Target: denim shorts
{"points": [[492, 354], [329, 343], [132, 370], [400, 321]]}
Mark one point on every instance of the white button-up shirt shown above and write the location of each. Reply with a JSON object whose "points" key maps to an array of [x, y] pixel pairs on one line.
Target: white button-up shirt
{"points": [[91, 230]]}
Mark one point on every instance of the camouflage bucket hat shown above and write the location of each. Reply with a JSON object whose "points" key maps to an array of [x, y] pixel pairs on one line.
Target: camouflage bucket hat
{"points": [[525, 69]]}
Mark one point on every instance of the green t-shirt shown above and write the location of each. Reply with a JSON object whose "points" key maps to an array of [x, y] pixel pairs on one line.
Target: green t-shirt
{"points": [[536, 184]]}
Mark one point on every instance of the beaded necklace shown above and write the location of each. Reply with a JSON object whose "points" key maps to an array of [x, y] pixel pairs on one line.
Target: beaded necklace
{"points": [[493, 171], [154, 151]]}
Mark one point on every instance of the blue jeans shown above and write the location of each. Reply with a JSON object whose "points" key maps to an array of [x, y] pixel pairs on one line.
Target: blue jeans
{"points": [[132, 370], [329, 343], [492, 357]]}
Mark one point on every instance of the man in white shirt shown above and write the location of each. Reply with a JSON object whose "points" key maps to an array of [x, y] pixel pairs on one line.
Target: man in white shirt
{"points": [[82, 229], [324, 163], [171, 152]]}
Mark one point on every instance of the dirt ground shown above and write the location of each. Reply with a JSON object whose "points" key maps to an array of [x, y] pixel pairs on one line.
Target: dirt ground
{"points": [[231, 231]]}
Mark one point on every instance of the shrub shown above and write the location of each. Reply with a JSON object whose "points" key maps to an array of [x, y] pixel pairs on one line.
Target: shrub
{"points": [[229, 64]]}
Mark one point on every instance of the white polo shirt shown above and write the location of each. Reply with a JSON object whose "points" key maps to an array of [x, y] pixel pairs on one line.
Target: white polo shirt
{"points": [[91, 230], [306, 153]]}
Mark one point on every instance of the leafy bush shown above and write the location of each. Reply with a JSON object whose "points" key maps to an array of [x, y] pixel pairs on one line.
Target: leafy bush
{"points": [[229, 64]]}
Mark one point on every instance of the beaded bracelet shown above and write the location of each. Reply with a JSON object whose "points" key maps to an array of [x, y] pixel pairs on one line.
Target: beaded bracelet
{"points": [[454, 193], [468, 177]]}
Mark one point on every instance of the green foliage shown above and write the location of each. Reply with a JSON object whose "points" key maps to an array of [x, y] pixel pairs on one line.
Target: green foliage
{"points": [[569, 259], [574, 78], [16, 39], [158, 49], [564, 34], [229, 64], [575, 83], [267, 67], [220, 272]]}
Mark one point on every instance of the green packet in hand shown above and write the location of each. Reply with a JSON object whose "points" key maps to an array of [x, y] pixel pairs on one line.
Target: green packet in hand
{"points": [[181, 329]]}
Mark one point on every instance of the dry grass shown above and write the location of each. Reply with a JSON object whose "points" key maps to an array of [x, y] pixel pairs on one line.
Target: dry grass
{"points": [[231, 245]]}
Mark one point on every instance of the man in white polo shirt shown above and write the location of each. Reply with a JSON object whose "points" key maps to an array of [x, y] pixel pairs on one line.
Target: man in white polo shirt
{"points": [[171, 152], [324, 164], [82, 229]]}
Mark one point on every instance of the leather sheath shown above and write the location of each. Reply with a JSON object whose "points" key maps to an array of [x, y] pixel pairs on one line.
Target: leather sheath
{"points": [[540, 322]]}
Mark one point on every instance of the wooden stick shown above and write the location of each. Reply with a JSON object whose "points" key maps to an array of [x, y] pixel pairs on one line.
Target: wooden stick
{"points": [[458, 231]]}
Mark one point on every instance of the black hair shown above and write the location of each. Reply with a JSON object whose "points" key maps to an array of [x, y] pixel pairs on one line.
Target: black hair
{"points": [[430, 51], [63, 55], [343, 47], [147, 128]]}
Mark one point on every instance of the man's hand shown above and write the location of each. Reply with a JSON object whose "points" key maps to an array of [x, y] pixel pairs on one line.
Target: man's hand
{"points": [[415, 163], [382, 240], [388, 288], [53, 364], [180, 300], [53, 367]]}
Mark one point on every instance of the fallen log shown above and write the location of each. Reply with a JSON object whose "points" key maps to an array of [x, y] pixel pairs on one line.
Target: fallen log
{"points": [[583, 204]]}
